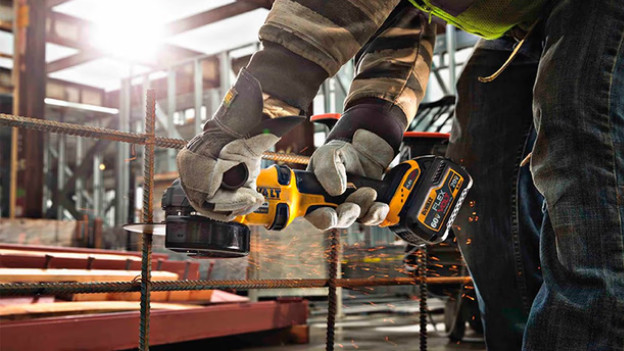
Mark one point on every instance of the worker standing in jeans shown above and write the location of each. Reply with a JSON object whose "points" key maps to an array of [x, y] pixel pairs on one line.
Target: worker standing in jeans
{"points": [[544, 244]]}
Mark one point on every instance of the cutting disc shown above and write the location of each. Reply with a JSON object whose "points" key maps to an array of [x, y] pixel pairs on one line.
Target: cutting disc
{"points": [[147, 228], [204, 238]]}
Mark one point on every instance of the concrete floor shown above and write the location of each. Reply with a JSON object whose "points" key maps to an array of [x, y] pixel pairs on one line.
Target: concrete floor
{"points": [[369, 323], [380, 324], [385, 331]]}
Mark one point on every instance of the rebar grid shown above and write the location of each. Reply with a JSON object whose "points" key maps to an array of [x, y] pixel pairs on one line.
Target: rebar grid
{"points": [[145, 285], [52, 288], [115, 135]]}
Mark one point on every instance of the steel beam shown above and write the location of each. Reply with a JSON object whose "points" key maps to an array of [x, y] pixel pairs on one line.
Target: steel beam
{"points": [[207, 17], [73, 60], [52, 3], [114, 331], [262, 3]]}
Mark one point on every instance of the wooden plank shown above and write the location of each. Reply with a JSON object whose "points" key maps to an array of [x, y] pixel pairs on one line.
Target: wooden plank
{"points": [[64, 308], [207, 296], [49, 249], [128, 260], [191, 295], [21, 300], [155, 296], [8, 275], [73, 255]]}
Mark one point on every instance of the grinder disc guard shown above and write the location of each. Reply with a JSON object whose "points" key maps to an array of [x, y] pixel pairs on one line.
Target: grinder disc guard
{"points": [[201, 237]]}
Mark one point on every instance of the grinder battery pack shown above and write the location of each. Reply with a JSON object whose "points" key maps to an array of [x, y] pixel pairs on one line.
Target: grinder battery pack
{"points": [[424, 195]]}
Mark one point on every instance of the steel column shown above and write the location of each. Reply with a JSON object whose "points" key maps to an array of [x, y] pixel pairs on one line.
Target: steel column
{"points": [[47, 192], [171, 109], [199, 90], [60, 175], [121, 164], [29, 94], [225, 70], [79, 181], [450, 50], [326, 89], [98, 192]]}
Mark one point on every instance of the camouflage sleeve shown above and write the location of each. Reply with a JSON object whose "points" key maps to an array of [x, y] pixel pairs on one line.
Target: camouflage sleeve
{"points": [[395, 64], [306, 41]]}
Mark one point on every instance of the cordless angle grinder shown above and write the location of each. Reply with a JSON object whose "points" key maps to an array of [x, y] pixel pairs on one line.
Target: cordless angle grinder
{"points": [[424, 195]]}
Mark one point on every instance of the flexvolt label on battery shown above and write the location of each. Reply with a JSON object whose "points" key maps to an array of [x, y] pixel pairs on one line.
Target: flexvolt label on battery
{"points": [[440, 201]]}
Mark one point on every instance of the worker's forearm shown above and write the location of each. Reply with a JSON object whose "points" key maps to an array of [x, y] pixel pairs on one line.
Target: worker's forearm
{"points": [[391, 78], [395, 65], [306, 41]]}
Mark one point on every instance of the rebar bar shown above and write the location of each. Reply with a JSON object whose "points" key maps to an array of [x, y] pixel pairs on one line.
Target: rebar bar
{"points": [[43, 125], [53, 288], [148, 217], [115, 135], [332, 298], [422, 274]]}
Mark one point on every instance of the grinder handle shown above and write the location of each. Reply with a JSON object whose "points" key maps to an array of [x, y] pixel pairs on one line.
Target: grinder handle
{"points": [[308, 184]]}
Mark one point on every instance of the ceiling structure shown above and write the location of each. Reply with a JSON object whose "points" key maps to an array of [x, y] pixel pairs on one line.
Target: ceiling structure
{"points": [[98, 43]]}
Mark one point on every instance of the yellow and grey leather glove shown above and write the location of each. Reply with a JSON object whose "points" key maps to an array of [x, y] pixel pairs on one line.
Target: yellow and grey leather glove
{"points": [[238, 133], [364, 142]]}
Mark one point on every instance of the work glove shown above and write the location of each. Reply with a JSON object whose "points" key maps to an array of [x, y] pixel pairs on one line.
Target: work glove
{"points": [[353, 147], [237, 135]]}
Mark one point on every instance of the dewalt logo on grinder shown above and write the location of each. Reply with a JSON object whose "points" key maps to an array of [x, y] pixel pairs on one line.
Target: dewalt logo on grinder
{"points": [[269, 193]]}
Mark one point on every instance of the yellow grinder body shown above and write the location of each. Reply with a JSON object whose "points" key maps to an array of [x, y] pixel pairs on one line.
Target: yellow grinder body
{"points": [[424, 195]]}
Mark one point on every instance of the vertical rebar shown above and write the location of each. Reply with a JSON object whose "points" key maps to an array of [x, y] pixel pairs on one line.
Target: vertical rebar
{"points": [[422, 275], [148, 217], [332, 298]]}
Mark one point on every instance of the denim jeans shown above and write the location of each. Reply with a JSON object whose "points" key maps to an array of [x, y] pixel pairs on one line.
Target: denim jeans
{"points": [[549, 271]]}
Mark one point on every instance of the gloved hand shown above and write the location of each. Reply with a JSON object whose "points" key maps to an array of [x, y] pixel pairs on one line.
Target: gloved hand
{"points": [[353, 148], [238, 133]]}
